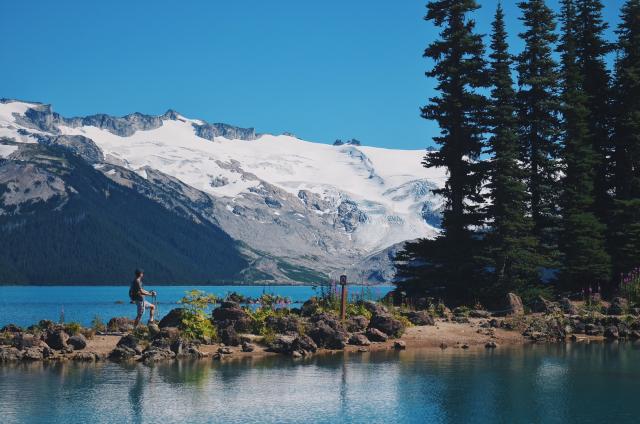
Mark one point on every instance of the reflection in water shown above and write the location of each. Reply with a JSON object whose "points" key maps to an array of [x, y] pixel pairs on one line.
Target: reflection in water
{"points": [[555, 383]]}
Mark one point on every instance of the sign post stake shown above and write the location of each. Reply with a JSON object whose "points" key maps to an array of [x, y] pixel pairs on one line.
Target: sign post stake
{"points": [[343, 304]]}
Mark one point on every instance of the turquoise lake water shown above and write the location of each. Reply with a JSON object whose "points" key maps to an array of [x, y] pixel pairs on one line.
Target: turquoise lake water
{"points": [[26, 305], [574, 383]]}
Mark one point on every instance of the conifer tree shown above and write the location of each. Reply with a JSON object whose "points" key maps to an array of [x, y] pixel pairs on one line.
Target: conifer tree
{"points": [[591, 49], [512, 250], [539, 106], [585, 259], [459, 69], [627, 141]]}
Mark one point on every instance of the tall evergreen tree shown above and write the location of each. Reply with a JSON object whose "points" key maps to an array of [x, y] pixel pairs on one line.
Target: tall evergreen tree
{"points": [[591, 49], [512, 250], [538, 80], [627, 141], [459, 109], [585, 259]]}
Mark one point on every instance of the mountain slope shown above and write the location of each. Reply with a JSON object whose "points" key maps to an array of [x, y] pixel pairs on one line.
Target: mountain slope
{"points": [[321, 208], [62, 221]]}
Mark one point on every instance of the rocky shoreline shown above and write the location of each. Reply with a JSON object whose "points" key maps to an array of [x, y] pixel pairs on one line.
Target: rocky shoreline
{"points": [[312, 330]]}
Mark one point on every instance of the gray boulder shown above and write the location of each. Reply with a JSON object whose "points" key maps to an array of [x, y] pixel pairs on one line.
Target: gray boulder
{"points": [[357, 323], [130, 342], [619, 306], [33, 354], [479, 313], [326, 331], [387, 324], [9, 354], [229, 336], [568, 307], [57, 339], [359, 339], [376, 335], [514, 304], [420, 318], [154, 354], [24, 341], [611, 332], [399, 345], [375, 308], [231, 314], [78, 342], [172, 319], [120, 324], [288, 324]]}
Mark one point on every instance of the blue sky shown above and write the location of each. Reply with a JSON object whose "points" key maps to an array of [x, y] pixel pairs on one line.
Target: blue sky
{"points": [[322, 70]]}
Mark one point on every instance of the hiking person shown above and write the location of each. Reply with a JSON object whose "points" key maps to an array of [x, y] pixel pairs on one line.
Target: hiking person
{"points": [[137, 294]]}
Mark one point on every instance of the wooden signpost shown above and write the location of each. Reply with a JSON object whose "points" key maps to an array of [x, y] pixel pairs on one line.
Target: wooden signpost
{"points": [[343, 303]]}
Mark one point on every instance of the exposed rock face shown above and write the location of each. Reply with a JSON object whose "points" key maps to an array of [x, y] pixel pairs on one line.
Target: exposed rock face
{"points": [[327, 331], [78, 144], [350, 216], [27, 184], [514, 304], [209, 131]]}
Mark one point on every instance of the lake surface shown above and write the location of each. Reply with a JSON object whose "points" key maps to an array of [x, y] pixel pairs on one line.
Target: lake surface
{"points": [[576, 383], [26, 305]]}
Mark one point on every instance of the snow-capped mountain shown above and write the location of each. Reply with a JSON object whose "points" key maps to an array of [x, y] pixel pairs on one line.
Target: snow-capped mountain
{"points": [[327, 208]]}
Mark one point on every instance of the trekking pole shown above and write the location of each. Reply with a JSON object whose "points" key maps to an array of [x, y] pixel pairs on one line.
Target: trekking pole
{"points": [[155, 302]]}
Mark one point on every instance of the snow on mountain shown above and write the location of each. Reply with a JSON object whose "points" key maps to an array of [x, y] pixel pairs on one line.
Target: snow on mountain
{"points": [[359, 200]]}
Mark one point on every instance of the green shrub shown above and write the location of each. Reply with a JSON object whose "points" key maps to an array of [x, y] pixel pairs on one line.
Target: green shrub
{"points": [[196, 324], [355, 309], [97, 324], [72, 328]]}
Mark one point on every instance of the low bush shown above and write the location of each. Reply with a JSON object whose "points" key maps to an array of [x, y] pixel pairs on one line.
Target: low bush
{"points": [[196, 324]]}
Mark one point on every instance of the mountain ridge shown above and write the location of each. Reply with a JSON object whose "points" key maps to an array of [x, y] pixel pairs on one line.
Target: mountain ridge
{"points": [[323, 208]]}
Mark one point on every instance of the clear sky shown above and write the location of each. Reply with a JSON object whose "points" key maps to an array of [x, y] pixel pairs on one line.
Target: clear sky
{"points": [[322, 70]]}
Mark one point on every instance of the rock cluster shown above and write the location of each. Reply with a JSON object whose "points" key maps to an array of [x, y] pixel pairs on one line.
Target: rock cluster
{"points": [[44, 341]]}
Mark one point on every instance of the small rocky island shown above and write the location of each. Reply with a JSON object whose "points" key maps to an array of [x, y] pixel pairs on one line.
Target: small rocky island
{"points": [[235, 330]]}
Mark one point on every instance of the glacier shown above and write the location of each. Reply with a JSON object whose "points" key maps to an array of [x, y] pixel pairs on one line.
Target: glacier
{"points": [[329, 208]]}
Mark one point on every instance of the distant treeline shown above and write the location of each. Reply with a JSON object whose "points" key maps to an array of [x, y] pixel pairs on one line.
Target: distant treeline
{"points": [[542, 152]]}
